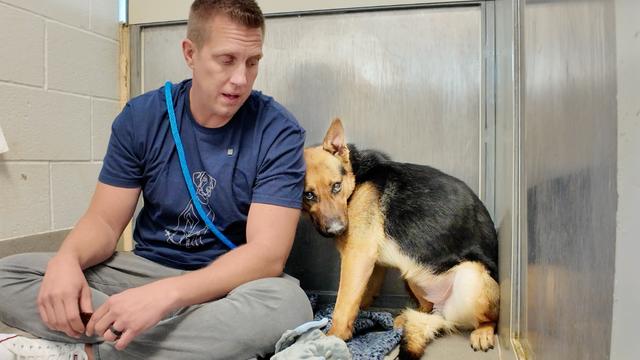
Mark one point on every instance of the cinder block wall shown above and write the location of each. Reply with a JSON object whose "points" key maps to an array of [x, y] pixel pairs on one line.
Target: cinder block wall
{"points": [[58, 98]]}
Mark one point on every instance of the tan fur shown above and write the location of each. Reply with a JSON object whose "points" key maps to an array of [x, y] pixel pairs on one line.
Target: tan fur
{"points": [[465, 296], [420, 328], [374, 286], [358, 254]]}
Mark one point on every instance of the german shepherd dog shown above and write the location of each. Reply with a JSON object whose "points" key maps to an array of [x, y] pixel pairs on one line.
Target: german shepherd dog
{"points": [[425, 223]]}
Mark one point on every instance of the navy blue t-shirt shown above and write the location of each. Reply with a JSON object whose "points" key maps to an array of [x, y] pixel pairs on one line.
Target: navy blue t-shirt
{"points": [[257, 157]]}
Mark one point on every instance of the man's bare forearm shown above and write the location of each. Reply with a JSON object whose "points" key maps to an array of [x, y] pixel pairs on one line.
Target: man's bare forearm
{"points": [[90, 242], [94, 238]]}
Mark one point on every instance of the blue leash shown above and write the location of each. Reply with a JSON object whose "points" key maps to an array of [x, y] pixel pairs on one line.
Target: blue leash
{"points": [[185, 170]]}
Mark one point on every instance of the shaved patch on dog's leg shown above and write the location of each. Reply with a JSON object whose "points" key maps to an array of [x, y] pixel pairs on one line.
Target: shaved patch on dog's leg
{"points": [[374, 286], [420, 296]]}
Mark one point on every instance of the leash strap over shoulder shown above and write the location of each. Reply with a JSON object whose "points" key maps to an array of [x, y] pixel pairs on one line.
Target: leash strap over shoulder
{"points": [[185, 170]]}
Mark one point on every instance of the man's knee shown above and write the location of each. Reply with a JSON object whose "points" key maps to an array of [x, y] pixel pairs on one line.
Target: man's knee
{"points": [[274, 305], [29, 264], [295, 300], [16, 269], [284, 296]]}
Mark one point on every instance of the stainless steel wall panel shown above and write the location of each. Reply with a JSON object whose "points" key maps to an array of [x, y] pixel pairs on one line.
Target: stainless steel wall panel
{"points": [[161, 57], [406, 82], [570, 169]]}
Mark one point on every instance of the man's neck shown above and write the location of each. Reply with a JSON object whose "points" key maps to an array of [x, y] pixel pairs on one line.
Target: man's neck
{"points": [[201, 116]]}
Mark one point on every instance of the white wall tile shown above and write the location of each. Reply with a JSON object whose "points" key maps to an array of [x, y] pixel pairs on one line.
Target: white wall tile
{"points": [[41, 125], [58, 82], [81, 63], [24, 199], [22, 54], [71, 12], [104, 17], [73, 185]]}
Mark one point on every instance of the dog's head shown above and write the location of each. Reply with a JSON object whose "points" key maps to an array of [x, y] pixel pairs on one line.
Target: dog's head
{"points": [[329, 182]]}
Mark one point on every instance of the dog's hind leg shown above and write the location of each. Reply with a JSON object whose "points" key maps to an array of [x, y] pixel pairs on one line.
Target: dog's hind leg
{"points": [[374, 286], [474, 303], [482, 338], [419, 329]]}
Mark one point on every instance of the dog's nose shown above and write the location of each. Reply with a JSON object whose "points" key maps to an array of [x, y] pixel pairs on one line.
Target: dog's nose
{"points": [[335, 227]]}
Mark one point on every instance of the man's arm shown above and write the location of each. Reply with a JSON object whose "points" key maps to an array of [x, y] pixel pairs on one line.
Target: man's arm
{"points": [[270, 234], [92, 241], [95, 236]]}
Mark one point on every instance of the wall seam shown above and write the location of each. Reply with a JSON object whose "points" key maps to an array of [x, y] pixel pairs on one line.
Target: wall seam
{"points": [[51, 218]]}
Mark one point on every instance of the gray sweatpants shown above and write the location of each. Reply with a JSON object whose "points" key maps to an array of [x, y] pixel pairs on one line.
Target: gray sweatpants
{"points": [[244, 324]]}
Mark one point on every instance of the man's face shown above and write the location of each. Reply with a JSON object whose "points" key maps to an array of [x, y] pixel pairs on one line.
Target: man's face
{"points": [[224, 68]]}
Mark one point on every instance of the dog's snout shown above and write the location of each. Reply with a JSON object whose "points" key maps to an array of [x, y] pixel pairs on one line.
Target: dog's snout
{"points": [[335, 227]]}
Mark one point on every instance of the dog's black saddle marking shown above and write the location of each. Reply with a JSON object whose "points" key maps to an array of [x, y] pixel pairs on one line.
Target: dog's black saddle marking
{"points": [[435, 218]]}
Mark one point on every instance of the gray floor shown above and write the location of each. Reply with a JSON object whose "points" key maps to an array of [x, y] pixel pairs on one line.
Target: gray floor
{"points": [[454, 347]]}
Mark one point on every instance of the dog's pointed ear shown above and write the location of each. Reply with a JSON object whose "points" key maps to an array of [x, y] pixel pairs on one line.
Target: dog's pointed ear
{"points": [[334, 139]]}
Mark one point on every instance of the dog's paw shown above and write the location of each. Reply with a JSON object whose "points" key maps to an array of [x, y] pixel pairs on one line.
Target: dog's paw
{"points": [[399, 321], [344, 334], [482, 338]]}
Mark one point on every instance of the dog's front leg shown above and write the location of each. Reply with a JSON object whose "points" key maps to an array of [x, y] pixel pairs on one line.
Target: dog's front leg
{"points": [[373, 288], [356, 266]]}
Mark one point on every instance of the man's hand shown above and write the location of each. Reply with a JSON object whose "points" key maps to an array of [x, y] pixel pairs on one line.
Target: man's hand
{"points": [[63, 294], [131, 312]]}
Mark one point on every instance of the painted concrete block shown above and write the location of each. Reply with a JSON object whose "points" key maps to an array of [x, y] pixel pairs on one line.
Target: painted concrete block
{"points": [[104, 112], [73, 185], [24, 199], [71, 12], [22, 54], [42, 125], [81, 63], [104, 17]]}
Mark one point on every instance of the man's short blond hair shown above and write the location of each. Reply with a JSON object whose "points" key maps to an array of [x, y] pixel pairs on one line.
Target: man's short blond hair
{"points": [[243, 12]]}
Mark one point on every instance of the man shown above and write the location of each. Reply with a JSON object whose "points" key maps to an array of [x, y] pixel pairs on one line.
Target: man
{"points": [[182, 294]]}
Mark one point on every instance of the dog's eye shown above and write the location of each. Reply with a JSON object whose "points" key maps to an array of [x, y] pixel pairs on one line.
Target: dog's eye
{"points": [[309, 196], [336, 188]]}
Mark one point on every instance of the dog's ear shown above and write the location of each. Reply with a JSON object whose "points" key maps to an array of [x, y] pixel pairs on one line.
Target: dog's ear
{"points": [[334, 139]]}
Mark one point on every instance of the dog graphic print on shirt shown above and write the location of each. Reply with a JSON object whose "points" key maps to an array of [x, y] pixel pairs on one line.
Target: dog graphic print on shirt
{"points": [[191, 227]]}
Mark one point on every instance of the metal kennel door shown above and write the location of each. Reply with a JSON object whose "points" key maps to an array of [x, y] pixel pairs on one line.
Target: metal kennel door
{"points": [[406, 80]]}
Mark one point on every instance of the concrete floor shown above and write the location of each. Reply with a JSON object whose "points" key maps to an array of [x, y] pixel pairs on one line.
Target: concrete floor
{"points": [[453, 347]]}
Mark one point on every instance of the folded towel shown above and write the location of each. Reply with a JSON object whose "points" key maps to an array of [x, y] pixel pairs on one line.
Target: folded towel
{"points": [[307, 342]]}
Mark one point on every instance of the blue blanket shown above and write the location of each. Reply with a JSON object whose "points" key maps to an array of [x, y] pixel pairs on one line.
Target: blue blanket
{"points": [[373, 335]]}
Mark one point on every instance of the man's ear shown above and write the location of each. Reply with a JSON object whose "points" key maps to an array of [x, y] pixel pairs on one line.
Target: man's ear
{"points": [[188, 51], [334, 141]]}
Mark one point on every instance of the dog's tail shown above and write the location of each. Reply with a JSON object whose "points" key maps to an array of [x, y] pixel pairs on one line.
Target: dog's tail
{"points": [[419, 329]]}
